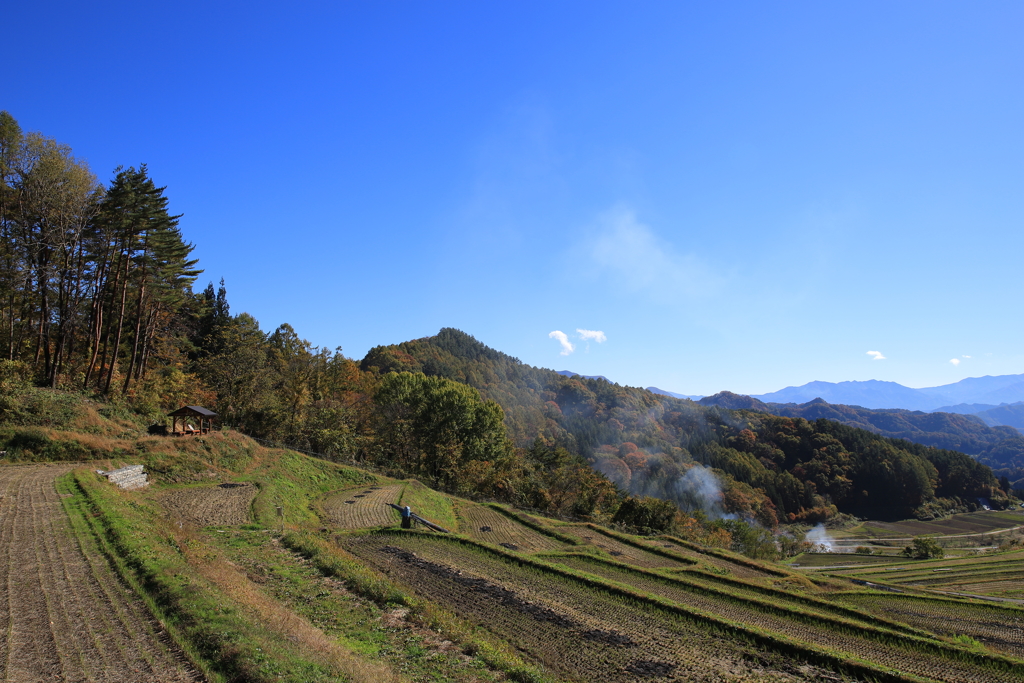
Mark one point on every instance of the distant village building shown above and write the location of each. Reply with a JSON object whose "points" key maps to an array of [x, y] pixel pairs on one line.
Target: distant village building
{"points": [[187, 417]]}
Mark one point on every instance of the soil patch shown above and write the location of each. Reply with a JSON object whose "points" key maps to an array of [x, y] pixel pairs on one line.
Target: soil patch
{"points": [[226, 504]]}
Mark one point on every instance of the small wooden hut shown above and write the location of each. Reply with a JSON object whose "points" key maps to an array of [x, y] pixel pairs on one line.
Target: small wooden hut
{"points": [[188, 415]]}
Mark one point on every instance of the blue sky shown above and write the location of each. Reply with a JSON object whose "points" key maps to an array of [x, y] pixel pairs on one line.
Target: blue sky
{"points": [[739, 196]]}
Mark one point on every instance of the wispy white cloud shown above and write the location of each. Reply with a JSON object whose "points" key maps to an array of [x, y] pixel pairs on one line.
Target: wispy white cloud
{"points": [[877, 355], [592, 335], [965, 356], [954, 361], [563, 339], [637, 259]]}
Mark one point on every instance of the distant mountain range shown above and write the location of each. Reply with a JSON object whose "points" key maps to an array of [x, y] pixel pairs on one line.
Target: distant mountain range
{"points": [[954, 431], [570, 373], [1009, 414], [656, 390], [989, 391], [995, 400]]}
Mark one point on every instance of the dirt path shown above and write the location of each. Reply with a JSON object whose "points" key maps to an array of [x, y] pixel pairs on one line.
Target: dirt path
{"points": [[64, 616]]}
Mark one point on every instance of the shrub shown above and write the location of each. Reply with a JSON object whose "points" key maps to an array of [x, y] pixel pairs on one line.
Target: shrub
{"points": [[924, 548]]}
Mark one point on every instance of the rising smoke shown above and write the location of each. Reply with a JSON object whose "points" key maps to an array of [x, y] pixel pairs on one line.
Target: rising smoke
{"points": [[699, 489], [821, 540]]}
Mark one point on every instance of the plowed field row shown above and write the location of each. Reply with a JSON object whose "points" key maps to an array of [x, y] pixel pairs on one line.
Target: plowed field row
{"points": [[482, 523], [622, 552], [221, 505], [1009, 587], [823, 634], [981, 563], [578, 632], [735, 569], [63, 613], [999, 628], [364, 507], [960, 578]]}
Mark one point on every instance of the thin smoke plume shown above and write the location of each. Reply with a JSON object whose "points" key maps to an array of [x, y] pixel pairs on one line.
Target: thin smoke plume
{"points": [[819, 537], [699, 489]]}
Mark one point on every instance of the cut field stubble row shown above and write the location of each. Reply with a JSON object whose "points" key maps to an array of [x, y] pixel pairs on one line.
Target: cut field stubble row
{"points": [[580, 633], [805, 624], [66, 615]]}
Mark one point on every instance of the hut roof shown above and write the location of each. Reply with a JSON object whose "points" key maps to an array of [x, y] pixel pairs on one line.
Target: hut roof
{"points": [[193, 411]]}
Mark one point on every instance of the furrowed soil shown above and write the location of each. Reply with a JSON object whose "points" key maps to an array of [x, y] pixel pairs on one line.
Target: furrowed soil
{"points": [[482, 523], [64, 615], [365, 506], [998, 627], [811, 625], [228, 504], [998, 574], [622, 551], [579, 632]]}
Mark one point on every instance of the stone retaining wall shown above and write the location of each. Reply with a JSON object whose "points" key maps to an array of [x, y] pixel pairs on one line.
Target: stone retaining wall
{"points": [[130, 477]]}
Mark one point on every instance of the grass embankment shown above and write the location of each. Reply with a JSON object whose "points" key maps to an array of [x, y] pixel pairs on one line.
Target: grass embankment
{"points": [[244, 606], [429, 504], [225, 626]]}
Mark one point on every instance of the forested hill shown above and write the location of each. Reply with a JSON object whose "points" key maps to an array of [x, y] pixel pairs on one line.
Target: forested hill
{"points": [[998, 446], [771, 467]]}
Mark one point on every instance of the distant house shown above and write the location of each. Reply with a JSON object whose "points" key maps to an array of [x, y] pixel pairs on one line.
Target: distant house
{"points": [[187, 417]]}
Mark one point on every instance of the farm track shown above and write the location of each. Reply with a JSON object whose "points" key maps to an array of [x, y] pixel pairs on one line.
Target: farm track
{"points": [[578, 632], [815, 630], [363, 507], [64, 615], [1000, 629], [481, 523]]}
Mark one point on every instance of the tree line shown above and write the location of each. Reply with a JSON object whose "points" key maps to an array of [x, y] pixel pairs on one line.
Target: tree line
{"points": [[90, 276]]}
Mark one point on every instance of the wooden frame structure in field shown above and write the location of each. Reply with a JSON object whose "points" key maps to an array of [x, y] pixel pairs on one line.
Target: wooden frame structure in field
{"points": [[194, 413]]}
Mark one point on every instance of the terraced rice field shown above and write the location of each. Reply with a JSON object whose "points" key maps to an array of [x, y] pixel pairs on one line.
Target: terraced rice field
{"points": [[739, 570], [622, 552], [226, 504], [999, 575], [363, 507], [813, 624], [710, 585], [821, 560], [64, 616], [485, 524], [577, 631], [580, 630], [957, 525], [998, 627]]}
